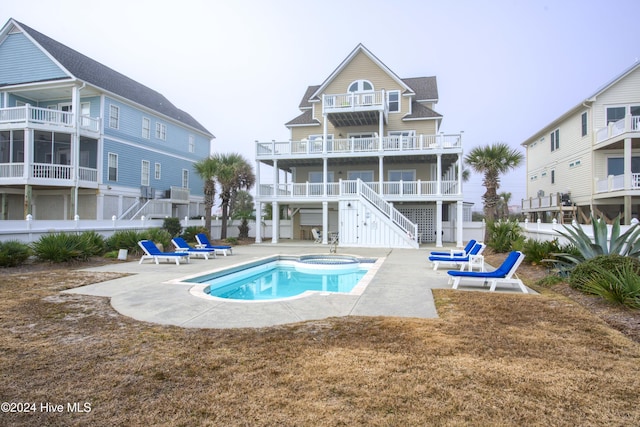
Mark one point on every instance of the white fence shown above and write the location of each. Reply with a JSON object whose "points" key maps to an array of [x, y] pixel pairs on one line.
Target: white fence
{"points": [[549, 231], [31, 230]]}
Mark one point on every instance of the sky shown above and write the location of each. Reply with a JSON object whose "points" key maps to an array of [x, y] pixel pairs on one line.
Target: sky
{"points": [[505, 68]]}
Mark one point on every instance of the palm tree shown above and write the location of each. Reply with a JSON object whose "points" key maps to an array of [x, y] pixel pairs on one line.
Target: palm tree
{"points": [[492, 161], [207, 169], [505, 198], [233, 173]]}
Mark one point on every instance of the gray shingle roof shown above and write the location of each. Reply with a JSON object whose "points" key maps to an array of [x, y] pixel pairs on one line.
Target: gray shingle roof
{"points": [[96, 74], [424, 87], [303, 119], [419, 111]]}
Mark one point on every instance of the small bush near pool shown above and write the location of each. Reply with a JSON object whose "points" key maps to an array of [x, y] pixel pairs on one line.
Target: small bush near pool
{"points": [[63, 247], [13, 253]]}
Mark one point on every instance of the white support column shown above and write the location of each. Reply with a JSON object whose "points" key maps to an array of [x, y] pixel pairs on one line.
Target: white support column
{"points": [[459, 223], [275, 227], [276, 176], [257, 180], [381, 174], [325, 222], [460, 174], [259, 222], [381, 129], [438, 223], [325, 131], [439, 175], [627, 179], [324, 176]]}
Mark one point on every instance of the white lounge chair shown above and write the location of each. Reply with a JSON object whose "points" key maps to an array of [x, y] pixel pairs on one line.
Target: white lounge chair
{"points": [[503, 274], [317, 235], [473, 259], [152, 252], [182, 246]]}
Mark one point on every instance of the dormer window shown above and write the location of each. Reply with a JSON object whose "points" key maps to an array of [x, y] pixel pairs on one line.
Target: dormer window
{"points": [[360, 86]]}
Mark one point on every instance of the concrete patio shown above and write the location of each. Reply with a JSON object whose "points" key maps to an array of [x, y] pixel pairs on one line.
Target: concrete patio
{"points": [[401, 288]]}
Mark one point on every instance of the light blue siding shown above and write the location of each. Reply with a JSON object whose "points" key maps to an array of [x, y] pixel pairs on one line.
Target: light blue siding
{"points": [[129, 167], [22, 62]]}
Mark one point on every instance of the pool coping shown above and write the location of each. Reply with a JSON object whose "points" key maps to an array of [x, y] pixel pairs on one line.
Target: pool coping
{"points": [[401, 287]]}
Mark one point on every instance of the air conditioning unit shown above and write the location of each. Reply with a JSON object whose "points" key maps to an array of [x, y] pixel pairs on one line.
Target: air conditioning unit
{"points": [[565, 199], [540, 193]]}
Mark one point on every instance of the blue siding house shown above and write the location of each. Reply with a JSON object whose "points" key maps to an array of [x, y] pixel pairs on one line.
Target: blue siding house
{"points": [[80, 139]]}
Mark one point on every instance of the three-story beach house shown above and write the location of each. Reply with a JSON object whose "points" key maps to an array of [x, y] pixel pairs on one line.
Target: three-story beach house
{"points": [[80, 140], [587, 161], [366, 163]]}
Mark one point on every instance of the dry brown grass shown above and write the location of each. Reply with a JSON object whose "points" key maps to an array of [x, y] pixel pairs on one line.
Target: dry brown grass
{"points": [[490, 359]]}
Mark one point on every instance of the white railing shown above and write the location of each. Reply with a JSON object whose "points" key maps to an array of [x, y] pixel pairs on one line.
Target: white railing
{"points": [[87, 174], [50, 171], [616, 183], [26, 115], [353, 101], [389, 211], [394, 190], [549, 201], [372, 145], [11, 170], [627, 124]]}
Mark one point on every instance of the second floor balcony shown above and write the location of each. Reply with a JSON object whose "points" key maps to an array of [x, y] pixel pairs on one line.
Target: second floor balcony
{"points": [[628, 124], [28, 116], [617, 183], [391, 191], [420, 144]]}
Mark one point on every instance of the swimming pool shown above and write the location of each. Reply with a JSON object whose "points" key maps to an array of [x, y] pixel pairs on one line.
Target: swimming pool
{"points": [[283, 277]]}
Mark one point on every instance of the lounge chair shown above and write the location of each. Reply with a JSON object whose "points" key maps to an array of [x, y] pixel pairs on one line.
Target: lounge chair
{"points": [[503, 274], [182, 246], [317, 235], [151, 251], [472, 259], [203, 243], [457, 252]]}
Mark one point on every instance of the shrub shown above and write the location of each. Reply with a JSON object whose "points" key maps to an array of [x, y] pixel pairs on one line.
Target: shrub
{"points": [[92, 243], [172, 226], [504, 236], [535, 250], [587, 270], [128, 239], [231, 240], [189, 233], [619, 286], [13, 253], [61, 247]]}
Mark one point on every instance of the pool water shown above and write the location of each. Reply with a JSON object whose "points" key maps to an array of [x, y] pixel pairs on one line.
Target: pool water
{"points": [[285, 279]]}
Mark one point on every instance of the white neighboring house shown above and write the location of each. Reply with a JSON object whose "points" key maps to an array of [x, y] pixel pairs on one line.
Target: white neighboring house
{"points": [[366, 161], [588, 159]]}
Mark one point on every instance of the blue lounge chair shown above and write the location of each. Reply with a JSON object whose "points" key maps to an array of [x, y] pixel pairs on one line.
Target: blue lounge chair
{"points": [[203, 243], [503, 274], [456, 252], [472, 259], [182, 246], [151, 251]]}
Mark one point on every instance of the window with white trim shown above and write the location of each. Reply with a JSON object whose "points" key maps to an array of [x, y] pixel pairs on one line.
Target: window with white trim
{"points": [[360, 86], [365, 176], [161, 131], [185, 178], [144, 173], [146, 128], [393, 101], [583, 125], [555, 140], [114, 117], [553, 176], [112, 167], [157, 171], [192, 144]]}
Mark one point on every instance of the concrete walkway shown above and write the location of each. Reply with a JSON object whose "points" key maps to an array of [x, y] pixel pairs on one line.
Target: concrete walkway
{"points": [[401, 288]]}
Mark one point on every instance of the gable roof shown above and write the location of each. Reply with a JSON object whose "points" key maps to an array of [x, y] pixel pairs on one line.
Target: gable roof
{"points": [[86, 69], [582, 105], [360, 48]]}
